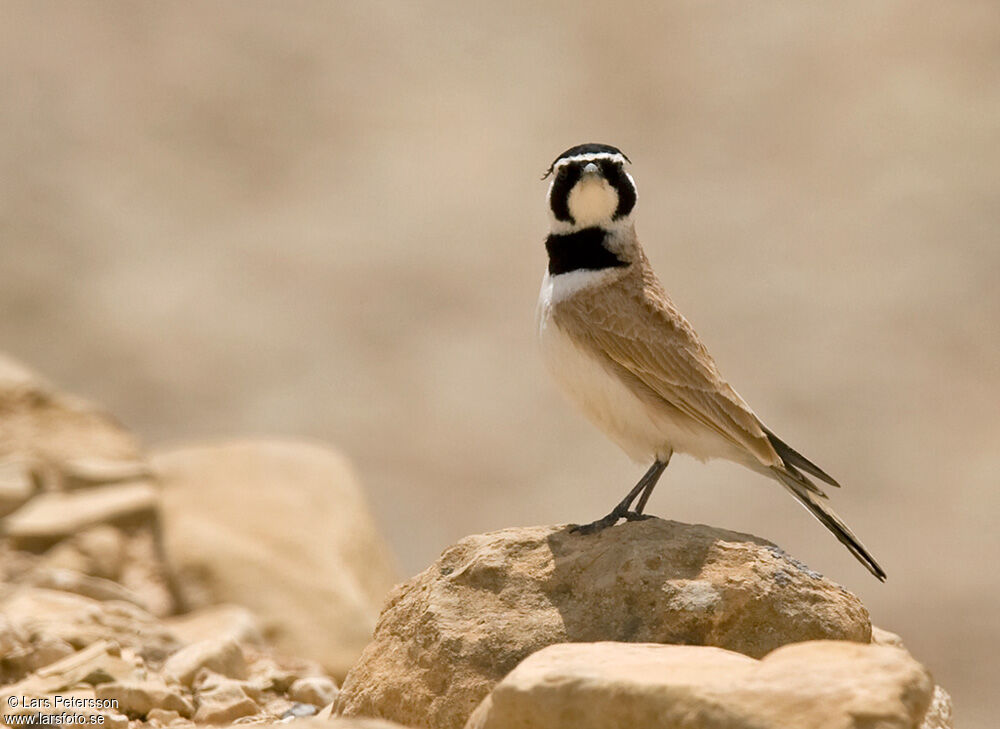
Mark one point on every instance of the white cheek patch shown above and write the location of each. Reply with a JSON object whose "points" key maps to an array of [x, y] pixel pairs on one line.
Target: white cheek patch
{"points": [[592, 201]]}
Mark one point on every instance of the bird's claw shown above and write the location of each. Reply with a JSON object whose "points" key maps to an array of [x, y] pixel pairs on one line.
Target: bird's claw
{"points": [[596, 526], [610, 520]]}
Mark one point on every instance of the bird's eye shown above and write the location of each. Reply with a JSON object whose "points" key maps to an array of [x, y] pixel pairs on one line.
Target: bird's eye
{"points": [[610, 169], [566, 177]]}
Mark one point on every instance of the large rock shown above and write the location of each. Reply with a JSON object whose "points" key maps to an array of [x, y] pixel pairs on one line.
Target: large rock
{"points": [[449, 634], [282, 528], [814, 685]]}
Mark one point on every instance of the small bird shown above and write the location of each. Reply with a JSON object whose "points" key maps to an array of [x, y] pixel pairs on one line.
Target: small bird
{"points": [[618, 347]]}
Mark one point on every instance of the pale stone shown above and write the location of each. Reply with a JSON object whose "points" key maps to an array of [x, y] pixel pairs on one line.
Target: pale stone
{"points": [[449, 634], [226, 622], [141, 697], [21, 652], [282, 528], [162, 717], [102, 658], [813, 685], [224, 703], [51, 517], [17, 376], [315, 690], [276, 708], [81, 621], [267, 675], [13, 639], [298, 710], [885, 637], [47, 426], [95, 588], [102, 548], [16, 484], [93, 665], [89, 471], [218, 655], [46, 650], [939, 715]]}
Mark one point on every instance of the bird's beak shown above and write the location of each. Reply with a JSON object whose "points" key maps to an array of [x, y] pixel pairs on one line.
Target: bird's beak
{"points": [[591, 169]]}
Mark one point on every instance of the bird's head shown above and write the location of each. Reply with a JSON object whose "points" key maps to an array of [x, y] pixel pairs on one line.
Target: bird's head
{"points": [[590, 188]]}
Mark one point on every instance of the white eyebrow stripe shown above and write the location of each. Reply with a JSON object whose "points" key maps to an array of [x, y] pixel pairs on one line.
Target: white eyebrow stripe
{"points": [[589, 158]]}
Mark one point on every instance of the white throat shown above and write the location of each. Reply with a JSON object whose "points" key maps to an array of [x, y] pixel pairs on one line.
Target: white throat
{"points": [[592, 201]]}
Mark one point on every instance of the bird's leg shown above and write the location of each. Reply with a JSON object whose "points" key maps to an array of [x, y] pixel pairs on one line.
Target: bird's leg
{"points": [[652, 484], [622, 510]]}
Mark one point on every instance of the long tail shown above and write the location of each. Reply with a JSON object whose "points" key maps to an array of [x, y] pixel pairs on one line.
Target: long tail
{"points": [[806, 492], [795, 460]]}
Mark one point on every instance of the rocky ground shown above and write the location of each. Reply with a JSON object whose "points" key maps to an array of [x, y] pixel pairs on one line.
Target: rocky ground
{"points": [[241, 582]]}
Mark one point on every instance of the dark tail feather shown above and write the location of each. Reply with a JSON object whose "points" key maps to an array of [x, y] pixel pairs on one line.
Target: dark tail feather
{"points": [[795, 459], [831, 521]]}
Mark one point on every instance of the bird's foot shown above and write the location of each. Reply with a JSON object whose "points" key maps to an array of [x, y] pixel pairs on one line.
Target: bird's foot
{"points": [[609, 520], [599, 525]]}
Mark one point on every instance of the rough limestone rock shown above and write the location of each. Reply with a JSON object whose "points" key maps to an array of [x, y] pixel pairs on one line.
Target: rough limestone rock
{"points": [[283, 529], [449, 634], [814, 685], [49, 427], [939, 715]]}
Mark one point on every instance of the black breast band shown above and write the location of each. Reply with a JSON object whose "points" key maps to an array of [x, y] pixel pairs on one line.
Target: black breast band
{"points": [[580, 251]]}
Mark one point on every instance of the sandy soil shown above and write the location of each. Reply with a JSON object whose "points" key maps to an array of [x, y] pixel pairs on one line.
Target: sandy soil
{"points": [[325, 219]]}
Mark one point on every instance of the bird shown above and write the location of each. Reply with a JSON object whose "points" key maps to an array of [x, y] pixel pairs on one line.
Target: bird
{"points": [[620, 350]]}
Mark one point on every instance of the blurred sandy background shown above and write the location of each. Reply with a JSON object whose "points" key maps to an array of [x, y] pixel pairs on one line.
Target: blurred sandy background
{"points": [[325, 219]]}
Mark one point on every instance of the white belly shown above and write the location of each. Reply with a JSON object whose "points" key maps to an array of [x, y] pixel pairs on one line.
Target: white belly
{"points": [[644, 431]]}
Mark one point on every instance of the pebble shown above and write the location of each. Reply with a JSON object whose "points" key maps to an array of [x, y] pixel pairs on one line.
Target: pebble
{"points": [[221, 656], [141, 697], [315, 690], [224, 703]]}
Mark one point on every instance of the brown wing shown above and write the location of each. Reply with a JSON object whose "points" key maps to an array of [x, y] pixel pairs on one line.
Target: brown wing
{"points": [[637, 326]]}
